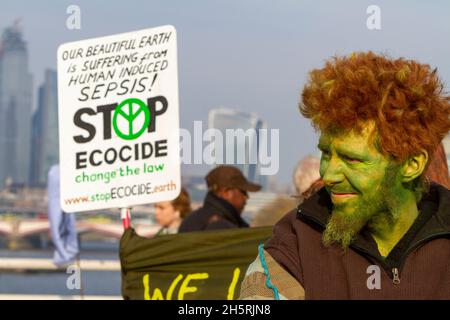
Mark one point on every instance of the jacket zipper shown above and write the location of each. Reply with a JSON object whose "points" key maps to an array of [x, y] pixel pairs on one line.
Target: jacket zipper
{"points": [[396, 277]]}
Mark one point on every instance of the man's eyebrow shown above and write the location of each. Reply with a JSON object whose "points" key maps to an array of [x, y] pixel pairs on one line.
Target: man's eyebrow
{"points": [[350, 153]]}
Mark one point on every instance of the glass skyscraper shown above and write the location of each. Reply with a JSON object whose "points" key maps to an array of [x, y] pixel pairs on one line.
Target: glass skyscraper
{"points": [[44, 148], [247, 146], [15, 107]]}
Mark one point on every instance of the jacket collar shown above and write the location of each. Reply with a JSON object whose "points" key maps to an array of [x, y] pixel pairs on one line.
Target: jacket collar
{"points": [[433, 222], [225, 209]]}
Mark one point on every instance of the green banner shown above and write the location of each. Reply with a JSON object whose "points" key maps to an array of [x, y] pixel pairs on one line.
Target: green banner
{"points": [[203, 265]]}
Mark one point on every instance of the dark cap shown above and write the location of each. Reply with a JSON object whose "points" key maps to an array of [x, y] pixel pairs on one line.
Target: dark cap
{"points": [[229, 177]]}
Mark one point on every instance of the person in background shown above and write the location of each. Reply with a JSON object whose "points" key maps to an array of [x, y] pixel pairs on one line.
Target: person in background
{"points": [[224, 202], [170, 214], [63, 227]]}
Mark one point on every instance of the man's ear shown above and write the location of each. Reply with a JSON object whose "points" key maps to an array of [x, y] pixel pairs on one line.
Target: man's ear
{"points": [[223, 193], [414, 166]]}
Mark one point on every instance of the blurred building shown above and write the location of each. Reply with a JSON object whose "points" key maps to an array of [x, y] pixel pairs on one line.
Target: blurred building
{"points": [[248, 144], [44, 147], [15, 107]]}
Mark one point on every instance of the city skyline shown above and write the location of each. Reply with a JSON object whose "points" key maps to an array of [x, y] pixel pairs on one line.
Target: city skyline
{"points": [[254, 56], [30, 137]]}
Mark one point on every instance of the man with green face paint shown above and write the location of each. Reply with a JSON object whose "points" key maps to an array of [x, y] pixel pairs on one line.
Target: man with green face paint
{"points": [[378, 229], [366, 188]]}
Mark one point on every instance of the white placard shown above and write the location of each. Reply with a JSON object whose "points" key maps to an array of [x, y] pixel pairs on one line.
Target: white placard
{"points": [[119, 120]]}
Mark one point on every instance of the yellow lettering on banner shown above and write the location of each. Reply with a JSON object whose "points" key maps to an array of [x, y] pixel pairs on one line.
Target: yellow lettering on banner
{"points": [[157, 294], [184, 286], [233, 283], [172, 286]]}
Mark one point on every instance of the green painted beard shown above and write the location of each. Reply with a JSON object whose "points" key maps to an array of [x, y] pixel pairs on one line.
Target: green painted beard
{"points": [[377, 210]]}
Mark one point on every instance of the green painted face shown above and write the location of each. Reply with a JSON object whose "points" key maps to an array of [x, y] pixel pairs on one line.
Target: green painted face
{"points": [[360, 181]]}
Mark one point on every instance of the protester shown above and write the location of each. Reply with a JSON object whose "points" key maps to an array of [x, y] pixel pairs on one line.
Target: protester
{"points": [[377, 230], [170, 214], [226, 198], [63, 228]]}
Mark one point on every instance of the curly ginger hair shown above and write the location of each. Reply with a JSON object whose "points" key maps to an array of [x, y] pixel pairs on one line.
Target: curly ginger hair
{"points": [[404, 98]]}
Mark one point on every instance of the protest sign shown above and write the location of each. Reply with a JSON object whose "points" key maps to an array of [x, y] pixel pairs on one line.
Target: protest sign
{"points": [[119, 120]]}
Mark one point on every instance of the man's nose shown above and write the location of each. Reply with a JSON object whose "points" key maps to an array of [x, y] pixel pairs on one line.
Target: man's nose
{"points": [[333, 172]]}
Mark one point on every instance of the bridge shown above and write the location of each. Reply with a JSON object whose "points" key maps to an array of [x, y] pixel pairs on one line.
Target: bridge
{"points": [[17, 229], [21, 222], [26, 228]]}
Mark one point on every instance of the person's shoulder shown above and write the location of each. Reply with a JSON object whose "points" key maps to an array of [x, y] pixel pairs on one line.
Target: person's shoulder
{"points": [[283, 245], [290, 215], [198, 213], [195, 221], [284, 228], [287, 221]]}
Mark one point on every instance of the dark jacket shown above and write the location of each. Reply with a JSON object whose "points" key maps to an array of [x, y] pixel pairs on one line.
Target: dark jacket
{"points": [[418, 267], [216, 213]]}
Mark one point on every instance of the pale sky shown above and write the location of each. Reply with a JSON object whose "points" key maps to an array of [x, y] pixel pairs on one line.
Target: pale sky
{"points": [[249, 55]]}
